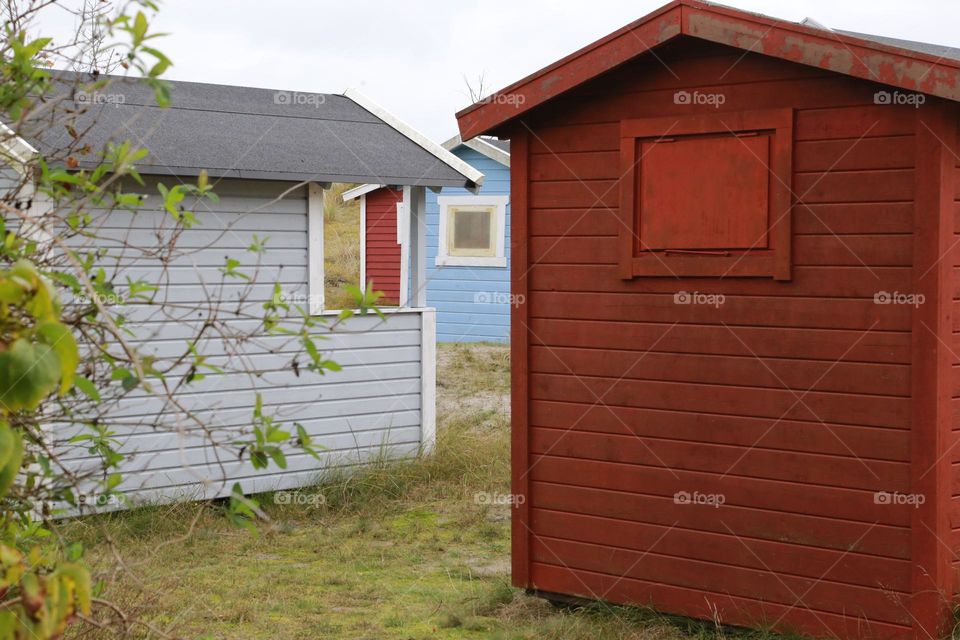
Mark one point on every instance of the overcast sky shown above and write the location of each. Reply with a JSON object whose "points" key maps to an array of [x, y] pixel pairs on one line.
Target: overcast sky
{"points": [[412, 56]]}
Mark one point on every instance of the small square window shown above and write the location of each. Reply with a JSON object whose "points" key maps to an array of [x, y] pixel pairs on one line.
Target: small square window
{"points": [[472, 231]]}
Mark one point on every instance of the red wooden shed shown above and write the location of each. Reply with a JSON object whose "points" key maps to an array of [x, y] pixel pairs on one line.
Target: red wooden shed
{"points": [[382, 252], [735, 374]]}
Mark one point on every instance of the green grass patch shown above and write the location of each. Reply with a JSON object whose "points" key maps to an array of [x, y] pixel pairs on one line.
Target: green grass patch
{"points": [[401, 550]]}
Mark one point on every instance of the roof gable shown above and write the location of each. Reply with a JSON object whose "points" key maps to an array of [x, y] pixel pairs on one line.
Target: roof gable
{"points": [[872, 58]]}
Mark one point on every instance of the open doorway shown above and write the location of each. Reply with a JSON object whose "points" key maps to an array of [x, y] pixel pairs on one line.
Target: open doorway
{"points": [[341, 247]]}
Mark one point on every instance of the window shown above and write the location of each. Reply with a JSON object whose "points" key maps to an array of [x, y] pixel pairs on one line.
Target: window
{"points": [[706, 195], [472, 231]]}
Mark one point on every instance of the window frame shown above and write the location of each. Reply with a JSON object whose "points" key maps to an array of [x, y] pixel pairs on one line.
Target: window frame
{"points": [[499, 204], [773, 261], [316, 285]]}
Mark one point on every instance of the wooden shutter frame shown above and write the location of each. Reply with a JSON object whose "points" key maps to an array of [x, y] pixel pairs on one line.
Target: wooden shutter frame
{"points": [[773, 262]]}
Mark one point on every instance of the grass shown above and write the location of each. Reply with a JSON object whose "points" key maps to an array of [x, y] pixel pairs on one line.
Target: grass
{"points": [[341, 248], [402, 550]]}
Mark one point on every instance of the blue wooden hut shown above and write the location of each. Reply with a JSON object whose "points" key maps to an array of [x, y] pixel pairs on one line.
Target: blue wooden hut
{"points": [[469, 285], [467, 244]]}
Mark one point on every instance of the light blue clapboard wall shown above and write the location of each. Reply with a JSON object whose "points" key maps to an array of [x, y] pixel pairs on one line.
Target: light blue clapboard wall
{"points": [[471, 302], [370, 408]]}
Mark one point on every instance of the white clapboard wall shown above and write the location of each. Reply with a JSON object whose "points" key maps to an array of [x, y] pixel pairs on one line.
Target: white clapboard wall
{"points": [[372, 408]]}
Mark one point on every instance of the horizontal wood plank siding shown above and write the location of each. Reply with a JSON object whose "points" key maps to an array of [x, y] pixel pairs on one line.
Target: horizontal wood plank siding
{"points": [[788, 403], [472, 303], [383, 250], [371, 408]]}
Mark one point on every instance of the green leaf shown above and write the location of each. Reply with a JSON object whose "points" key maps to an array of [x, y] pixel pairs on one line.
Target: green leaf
{"points": [[277, 454], [242, 510], [80, 578], [27, 374], [129, 383], [61, 340], [13, 457], [139, 30], [87, 387], [113, 481], [277, 435], [161, 93]]}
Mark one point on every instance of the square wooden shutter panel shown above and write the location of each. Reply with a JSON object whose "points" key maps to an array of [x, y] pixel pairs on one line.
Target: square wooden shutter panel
{"points": [[706, 195], [703, 193]]}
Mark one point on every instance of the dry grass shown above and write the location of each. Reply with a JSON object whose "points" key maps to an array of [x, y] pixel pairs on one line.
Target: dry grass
{"points": [[400, 551], [341, 247]]}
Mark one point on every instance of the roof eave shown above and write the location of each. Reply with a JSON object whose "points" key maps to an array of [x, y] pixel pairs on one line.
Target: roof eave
{"points": [[362, 190], [288, 176], [481, 146]]}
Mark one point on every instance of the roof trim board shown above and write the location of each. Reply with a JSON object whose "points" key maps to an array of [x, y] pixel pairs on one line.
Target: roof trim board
{"points": [[477, 144], [840, 52], [481, 146], [14, 150], [423, 141], [362, 190]]}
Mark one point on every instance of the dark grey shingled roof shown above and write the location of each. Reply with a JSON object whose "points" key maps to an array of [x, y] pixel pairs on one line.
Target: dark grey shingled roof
{"points": [[245, 133], [938, 50]]}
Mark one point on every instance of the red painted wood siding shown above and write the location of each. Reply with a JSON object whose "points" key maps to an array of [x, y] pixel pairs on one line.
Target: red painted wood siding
{"points": [[955, 378], [792, 400], [383, 252]]}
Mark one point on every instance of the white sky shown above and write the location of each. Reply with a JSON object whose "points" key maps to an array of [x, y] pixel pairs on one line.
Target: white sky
{"points": [[412, 56]]}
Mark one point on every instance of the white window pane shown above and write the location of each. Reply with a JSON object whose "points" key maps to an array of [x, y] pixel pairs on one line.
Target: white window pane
{"points": [[471, 230]]}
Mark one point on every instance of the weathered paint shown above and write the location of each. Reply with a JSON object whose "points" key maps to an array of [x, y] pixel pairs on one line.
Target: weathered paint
{"points": [[831, 51], [835, 52], [800, 401]]}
